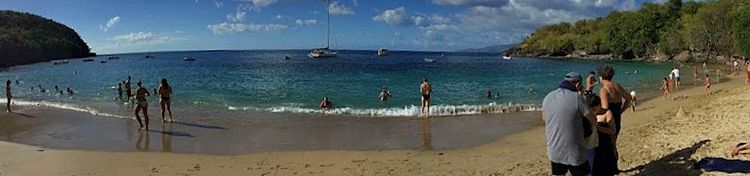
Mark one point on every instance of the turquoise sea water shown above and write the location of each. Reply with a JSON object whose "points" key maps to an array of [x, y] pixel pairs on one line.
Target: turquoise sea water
{"points": [[234, 82]]}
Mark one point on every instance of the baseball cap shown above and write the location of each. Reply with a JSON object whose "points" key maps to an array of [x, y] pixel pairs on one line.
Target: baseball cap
{"points": [[573, 76]]}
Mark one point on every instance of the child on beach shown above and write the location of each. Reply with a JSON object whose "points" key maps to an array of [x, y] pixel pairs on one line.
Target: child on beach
{"points": [[708, 85], [665, 88], [635, 98]]}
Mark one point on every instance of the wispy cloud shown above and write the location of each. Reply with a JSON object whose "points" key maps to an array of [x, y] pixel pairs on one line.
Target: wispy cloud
{"points": [[237, 16], [218, 4], [222, 28], [110, 23], [306, 22], [260, 3]]}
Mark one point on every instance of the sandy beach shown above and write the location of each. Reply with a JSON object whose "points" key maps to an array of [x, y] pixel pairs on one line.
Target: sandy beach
{"points": [[661, 138]]}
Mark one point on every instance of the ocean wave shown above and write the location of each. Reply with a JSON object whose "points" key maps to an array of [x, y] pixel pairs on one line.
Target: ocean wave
{"points": [[64, 106], [437, 110]]}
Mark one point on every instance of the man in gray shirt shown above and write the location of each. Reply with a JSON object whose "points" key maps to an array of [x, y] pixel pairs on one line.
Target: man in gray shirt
{"points": [[563, 110]]}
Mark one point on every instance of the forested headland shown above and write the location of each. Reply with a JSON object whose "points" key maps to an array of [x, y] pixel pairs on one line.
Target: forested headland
{"points": [[27, 38], [714, 32]]}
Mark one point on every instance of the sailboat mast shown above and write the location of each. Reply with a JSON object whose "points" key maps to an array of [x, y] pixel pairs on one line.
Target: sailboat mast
{"points": [[328, 13]]}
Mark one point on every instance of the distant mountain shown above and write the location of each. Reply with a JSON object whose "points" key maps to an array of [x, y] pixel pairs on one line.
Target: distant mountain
{"points": [[489, 49]]}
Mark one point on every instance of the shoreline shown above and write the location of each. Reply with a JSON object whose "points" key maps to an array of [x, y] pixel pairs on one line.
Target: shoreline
{"points": [[649, 140]]}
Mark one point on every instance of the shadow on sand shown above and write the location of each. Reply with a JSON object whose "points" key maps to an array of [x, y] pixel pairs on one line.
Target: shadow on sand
{"points": [[201, 125], [172, 133], [712, 164], [676, 163], [23, 115]]}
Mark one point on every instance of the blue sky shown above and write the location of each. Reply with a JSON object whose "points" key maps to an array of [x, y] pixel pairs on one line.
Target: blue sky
{"points": [[114, 26]]}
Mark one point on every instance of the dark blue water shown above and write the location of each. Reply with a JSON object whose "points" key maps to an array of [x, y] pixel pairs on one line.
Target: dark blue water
{"points": [[262, 81]]}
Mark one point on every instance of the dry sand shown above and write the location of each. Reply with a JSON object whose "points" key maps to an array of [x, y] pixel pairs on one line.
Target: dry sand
{"points": [[662, 138]]}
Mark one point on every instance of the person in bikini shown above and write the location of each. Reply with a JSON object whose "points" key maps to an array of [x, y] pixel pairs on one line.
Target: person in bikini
{"points": [[708, 85], [7, 94], [426, 91], [141, 104], [665, 88], [165, 92], [615, 99]]}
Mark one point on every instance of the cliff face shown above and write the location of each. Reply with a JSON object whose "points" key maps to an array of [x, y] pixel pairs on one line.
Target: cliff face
{"points": [[713, 32], [27, 38]]}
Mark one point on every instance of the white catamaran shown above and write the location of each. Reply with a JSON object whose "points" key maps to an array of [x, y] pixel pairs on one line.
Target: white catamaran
{"points": [[325, 52]]}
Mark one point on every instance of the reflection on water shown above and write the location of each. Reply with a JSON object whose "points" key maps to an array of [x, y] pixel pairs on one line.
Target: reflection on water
{"points": [[166, 139], [425, 132], [144, 140]]}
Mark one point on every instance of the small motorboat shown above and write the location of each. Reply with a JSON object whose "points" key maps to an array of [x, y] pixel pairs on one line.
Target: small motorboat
{"points": [[103, 61], [382, 52], [286, 57], [150, 56], [88, 60], [428, 60], [113, 58], [507, 57], [189, 59], [61, 62]]}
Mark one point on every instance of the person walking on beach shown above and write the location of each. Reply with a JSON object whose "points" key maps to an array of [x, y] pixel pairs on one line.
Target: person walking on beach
{"points": [[426, 91], [141, 104], [384, 94], [665, 88], [747, 72], [562, 111], [708, 85], [676, 73], [695, 75], [326, 104], [8, 95], [165, 92]]}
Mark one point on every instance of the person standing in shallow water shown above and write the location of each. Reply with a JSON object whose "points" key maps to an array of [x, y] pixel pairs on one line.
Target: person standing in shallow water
{"points": [[7, 94], [165, 90], [128, 90], [141, 104], [426, 91], [384, 94]]}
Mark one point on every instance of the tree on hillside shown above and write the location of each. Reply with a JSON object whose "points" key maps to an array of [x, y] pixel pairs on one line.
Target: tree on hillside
{"points": [[27, 38], [741, 28]]}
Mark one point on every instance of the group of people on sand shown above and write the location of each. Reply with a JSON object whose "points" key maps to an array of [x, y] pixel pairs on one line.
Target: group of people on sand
{"points": [[141, 103], [581, 126], [425, 90]]}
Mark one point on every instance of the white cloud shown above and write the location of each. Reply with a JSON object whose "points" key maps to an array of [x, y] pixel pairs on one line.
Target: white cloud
{"points": [[400, 17], [144, 38], [489, 3], [307, 22], [337, 9], [395, 17], [110, 23], [222, 28], [237, 16], [280, 17], [260, 3]]}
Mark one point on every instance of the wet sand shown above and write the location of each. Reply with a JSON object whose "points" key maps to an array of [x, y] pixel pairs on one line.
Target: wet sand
{"points": [[664, 137], [63, 129]]}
